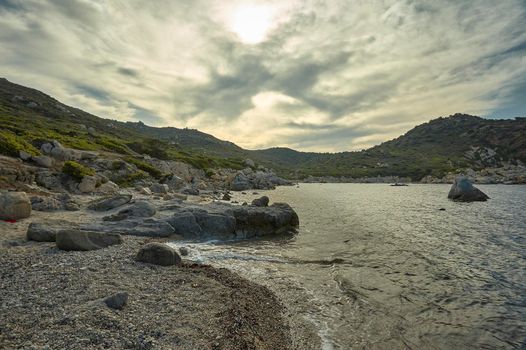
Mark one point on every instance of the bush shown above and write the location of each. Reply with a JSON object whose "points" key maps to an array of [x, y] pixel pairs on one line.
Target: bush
{"points": [[77, 170], [153, 171], [129, 180], [11, 145]]}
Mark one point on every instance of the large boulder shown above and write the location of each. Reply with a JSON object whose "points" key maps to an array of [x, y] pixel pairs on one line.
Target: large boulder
{"points": [[85, 240], [158, 254], [14, 206], [251, 221], [464, 191], [109, 203]]}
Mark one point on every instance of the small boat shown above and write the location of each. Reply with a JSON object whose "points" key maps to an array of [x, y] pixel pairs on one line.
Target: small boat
{"points": [[396, 184]]}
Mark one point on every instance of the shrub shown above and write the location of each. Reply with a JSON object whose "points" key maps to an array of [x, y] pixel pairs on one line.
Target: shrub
{"points": [[77, 170], [150, 169], [129, 180], [11, 145]]}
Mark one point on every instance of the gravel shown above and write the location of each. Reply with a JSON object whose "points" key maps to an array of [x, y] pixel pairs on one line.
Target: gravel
{"points": [[50, 299]]}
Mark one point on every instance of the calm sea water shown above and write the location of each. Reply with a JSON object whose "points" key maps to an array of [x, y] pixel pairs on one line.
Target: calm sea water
{"points": [[381, 267]]}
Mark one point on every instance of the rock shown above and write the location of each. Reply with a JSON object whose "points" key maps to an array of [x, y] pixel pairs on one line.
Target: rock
{"points": [[88, 184], [227, 197], [46, 148], [91, 131], [145, 191], [72, 239], [13, 170], [174, 182], [249, 163], [463, 190], [179, 196], [184, 251], [116, 301], [43, 161], [108, 187], [41, 232], [141, 209], [158, 254], [14, 206], [261, 202], [168, 197], [32, 104], [185, 224], [45, 203], [159, 188], [54, 202], [279, 218], [240, 182], [216, 224], [191, 191], [51, 181], [24, 155], [153, 228], [109, 203]]}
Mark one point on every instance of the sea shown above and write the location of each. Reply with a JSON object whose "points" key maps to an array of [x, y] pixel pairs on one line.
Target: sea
{"points": [[374, 266]]}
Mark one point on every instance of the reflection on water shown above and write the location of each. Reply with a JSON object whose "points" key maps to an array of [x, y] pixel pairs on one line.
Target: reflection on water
{"points": [[380, 267]]}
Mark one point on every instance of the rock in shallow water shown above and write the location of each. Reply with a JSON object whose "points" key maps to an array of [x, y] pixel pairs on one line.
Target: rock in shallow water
{"points": [[158, 254], [85, 240], [462, 190], [261, 202], [14, 206]]}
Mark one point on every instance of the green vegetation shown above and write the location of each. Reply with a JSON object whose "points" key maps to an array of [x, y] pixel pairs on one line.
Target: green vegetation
{"points": [[129, 180], [77, 170], [433, 148], [145, 167], [11, 144]]}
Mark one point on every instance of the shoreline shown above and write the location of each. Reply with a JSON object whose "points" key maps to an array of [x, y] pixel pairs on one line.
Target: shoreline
{"points": [[49, 298]]}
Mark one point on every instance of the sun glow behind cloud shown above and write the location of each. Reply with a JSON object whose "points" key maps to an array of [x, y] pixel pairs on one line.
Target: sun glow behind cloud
{"points": [[252, 22], [308, 74]]}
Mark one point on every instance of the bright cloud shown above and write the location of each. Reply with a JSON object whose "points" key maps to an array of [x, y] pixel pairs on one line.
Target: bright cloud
{"points": [[309, 74]]}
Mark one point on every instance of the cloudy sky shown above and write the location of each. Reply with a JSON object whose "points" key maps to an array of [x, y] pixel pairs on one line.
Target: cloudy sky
{"points": [[312, 75]]}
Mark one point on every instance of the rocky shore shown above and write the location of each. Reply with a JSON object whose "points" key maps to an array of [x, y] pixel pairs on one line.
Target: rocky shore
{"points": [[508, 174], [55, 299]]}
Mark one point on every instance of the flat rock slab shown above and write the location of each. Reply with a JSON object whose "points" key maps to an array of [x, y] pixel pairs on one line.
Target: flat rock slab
{"points": [[46, 232], [141, 209], [85, 240], [109, 203]]}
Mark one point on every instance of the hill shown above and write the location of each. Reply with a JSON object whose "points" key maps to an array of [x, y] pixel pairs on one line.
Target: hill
{"points": [[29, 117]]}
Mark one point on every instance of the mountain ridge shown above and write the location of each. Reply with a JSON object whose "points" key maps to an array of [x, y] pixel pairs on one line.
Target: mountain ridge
{"points": [[442, 145]]}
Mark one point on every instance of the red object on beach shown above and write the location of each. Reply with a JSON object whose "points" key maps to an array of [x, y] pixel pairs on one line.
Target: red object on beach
{"points": [[10, 220]]}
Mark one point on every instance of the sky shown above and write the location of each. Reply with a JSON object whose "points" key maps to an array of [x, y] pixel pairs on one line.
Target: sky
{"points": [[312, 75]]}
